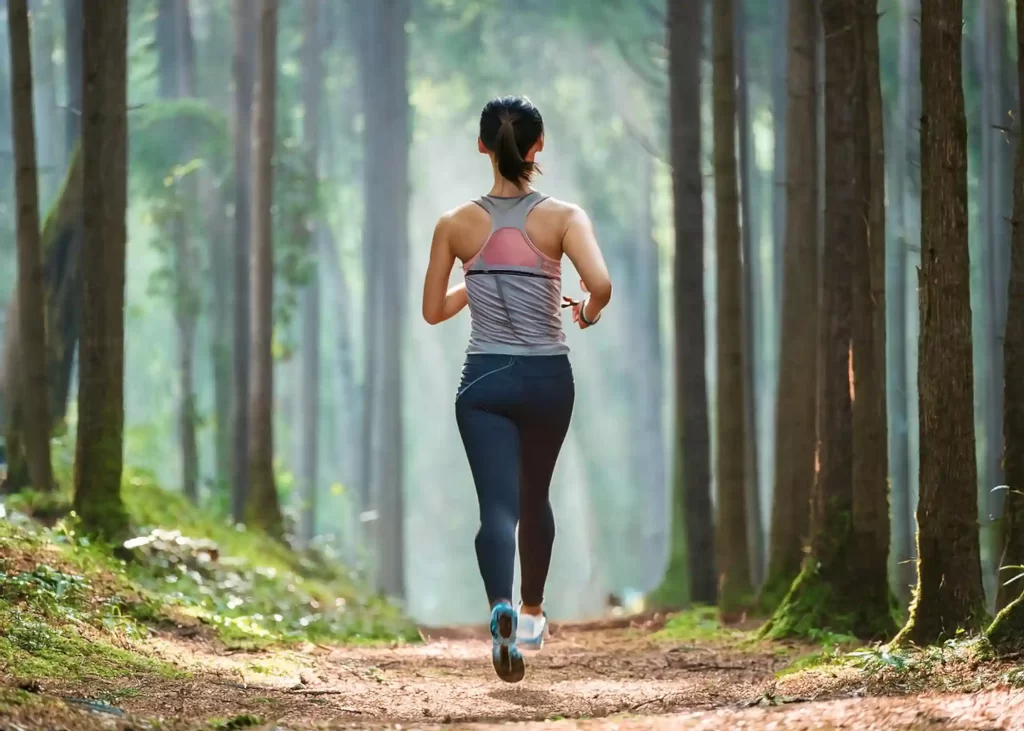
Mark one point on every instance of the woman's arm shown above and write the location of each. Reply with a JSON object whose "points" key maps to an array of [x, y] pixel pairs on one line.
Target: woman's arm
{"points": [[439, 302], [580, 245]]}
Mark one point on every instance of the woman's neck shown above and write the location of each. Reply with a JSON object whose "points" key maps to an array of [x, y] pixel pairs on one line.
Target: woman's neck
{"points": [[505, 188]]}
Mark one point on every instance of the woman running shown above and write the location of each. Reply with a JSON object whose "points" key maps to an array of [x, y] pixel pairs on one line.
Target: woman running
{"points": [[516, 397]]}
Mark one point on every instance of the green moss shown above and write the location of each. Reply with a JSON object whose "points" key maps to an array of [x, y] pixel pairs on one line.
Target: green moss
{"points": [[35, 649], [698, 623], [1006, 633], [811, 607]]}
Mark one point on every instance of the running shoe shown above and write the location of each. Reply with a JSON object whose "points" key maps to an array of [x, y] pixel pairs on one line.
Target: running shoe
{"points": [[531, 630], [508, 661]]}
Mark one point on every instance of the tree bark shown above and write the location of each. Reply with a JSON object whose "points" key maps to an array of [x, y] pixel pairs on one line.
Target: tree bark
{"points": [[61, 241], [31, 303], [1013, 387], [796, 435], [243, 76], [870, 437], [98, 451], [949, 593], [262, 506], [692, 491], [732, 550], [312, 91], [827, 592], [752, 325]]}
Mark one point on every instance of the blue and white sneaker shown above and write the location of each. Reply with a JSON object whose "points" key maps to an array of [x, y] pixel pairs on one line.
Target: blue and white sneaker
{"points": [[507, 660], [531, 630]]}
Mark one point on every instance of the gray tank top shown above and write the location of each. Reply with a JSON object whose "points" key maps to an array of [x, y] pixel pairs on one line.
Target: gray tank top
{"points": [[515, 291]]}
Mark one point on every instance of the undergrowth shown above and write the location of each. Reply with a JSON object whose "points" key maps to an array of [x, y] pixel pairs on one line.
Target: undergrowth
{"points": [[698, 623], [69, 606]]}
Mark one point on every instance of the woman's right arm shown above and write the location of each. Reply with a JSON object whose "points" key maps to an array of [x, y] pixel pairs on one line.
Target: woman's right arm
{"points": [[580, 244]]}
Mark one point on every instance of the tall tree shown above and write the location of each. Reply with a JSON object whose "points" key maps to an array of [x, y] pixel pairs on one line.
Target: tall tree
{"points": [[1013, 387], [31, 302], [387, 138], [871, 526], [49, 133], [262, 506], [898, 372], [732, 554], [949, 592], [691, 492], [751, 297], [98, 451], [996, 203], [827, 593], [796, 437], [312, 91], [176, 71], [243, 77]]}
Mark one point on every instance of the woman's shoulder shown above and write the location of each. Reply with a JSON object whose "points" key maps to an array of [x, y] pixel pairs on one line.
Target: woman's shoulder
{"points": [[563, 212]]}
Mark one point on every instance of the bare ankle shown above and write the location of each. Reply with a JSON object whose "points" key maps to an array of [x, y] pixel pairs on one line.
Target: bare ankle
{"points": [[534, 610]]}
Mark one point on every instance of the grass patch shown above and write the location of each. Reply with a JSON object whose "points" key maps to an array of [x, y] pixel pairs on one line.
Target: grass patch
{"points": [[253, 591], [698, 623], [71, 608]]}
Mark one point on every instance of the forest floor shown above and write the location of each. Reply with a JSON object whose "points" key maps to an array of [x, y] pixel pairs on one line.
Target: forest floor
{"points": [[207, 626], [622, 674]]}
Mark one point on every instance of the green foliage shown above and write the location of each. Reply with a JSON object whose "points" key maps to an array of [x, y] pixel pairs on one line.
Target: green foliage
{"points": [[250, 589], [54, 625]]}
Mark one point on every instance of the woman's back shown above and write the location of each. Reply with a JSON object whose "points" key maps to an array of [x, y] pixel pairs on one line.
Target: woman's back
{"points": [[511, 251]]}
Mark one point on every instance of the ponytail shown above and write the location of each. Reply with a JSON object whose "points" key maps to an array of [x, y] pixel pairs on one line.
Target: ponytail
{"points": [[511, 164], [509, 127]]}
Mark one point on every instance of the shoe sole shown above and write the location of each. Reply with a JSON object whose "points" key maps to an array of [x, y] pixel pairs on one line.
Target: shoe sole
{"points": [[508, 664]]}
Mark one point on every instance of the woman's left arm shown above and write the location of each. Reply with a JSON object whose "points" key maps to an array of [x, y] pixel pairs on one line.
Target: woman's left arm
{"points": [[439, 302]]}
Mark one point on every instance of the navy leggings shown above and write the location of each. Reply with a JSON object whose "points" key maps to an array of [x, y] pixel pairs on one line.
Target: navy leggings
{"points": [[513, 414]]}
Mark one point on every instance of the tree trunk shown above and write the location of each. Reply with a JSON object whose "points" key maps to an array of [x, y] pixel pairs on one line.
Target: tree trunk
{"points": [[49, 137], [72, 74], [827, 593], [896, 325], [220, 281], [262, 507], [997, 210], [692, 491], [649, 447], [780, 130], [1013, 388], [796, 436], [732, 551], [177, 80], [949, 593], [750, 300], [870, 438], [312, 91], [61, 241], [31, 303], [243, 76], [337, 284], [387, 194], [98, 452]]}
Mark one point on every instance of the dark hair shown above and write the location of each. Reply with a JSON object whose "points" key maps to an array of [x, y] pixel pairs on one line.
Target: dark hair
{"points": [[509, 127]]}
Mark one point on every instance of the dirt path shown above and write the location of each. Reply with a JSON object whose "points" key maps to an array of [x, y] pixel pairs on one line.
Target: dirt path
{"points": [[618, 678]]}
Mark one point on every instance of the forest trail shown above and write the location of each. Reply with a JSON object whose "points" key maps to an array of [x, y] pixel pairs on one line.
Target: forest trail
{"points": [[605, 675]]}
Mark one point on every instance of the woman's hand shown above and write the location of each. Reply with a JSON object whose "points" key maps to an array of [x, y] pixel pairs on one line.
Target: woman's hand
{"points": [[577, 309]]}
